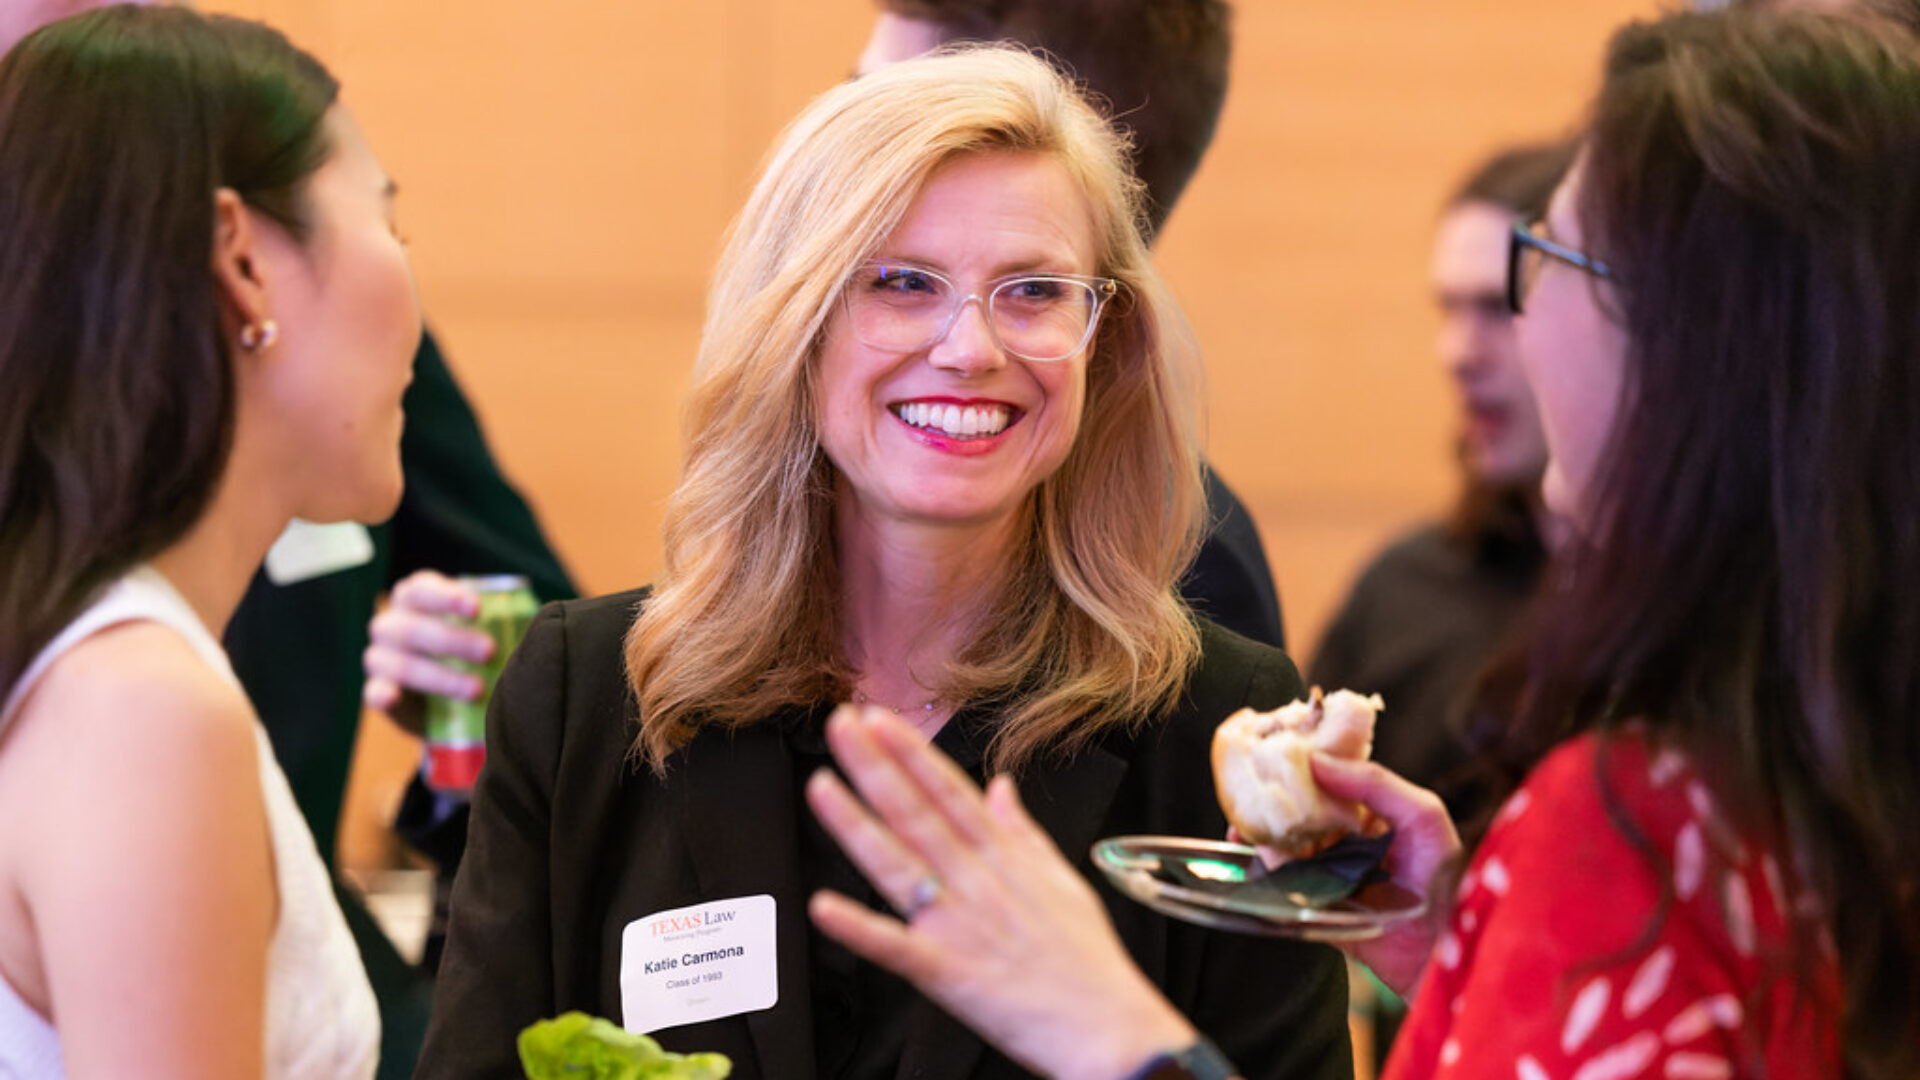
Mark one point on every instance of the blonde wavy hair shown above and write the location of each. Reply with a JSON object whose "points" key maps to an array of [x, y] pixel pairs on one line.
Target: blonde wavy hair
{"points": [[1086, 631]]}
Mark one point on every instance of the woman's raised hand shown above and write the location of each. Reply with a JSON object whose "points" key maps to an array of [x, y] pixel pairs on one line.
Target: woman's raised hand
{"points": [[1424, 841], [998, 928]]}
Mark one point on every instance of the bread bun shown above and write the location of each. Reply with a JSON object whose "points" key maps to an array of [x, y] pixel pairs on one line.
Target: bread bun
{"points": [[1262, 772]]}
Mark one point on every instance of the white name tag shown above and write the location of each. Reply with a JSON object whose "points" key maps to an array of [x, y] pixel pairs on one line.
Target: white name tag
{"points": [[307, 550], [698, 963]]}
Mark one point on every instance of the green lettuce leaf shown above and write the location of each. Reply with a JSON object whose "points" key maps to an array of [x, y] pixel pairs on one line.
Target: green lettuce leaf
{"points": [[575, 1046]]}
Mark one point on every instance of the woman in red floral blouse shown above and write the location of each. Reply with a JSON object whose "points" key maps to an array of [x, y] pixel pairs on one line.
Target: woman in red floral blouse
{"points": [[1710, 868], [1711, 874]]}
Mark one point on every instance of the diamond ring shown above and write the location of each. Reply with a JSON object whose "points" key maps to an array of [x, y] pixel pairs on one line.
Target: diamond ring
{"points": [[925, 892]]}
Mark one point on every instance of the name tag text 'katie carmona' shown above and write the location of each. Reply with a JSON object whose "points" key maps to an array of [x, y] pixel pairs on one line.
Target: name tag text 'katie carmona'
{"points": [[698, 963]]}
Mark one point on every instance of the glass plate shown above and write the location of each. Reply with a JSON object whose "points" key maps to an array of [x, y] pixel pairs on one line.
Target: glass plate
{"points": [[1131, 862]]}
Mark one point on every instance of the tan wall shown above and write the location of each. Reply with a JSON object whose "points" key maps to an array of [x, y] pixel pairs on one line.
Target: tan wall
{"points": [[568, 170]]}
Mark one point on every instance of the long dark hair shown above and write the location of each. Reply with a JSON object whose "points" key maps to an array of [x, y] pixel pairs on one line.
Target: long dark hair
{"points": [[117, 127], [1749, 591]]}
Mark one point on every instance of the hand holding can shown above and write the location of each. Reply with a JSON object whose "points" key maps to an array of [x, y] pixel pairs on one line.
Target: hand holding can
{"points": [[456, 729]]}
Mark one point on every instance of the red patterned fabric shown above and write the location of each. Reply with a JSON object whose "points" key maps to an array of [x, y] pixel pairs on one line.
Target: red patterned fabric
{"points": [[1546, 972]]}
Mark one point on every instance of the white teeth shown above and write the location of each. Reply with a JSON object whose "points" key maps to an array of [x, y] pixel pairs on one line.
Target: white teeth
{"points": [[971, 421]]}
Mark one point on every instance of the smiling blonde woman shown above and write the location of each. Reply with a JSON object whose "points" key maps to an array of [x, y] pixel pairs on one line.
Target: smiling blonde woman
{"points": [[940, 456]]}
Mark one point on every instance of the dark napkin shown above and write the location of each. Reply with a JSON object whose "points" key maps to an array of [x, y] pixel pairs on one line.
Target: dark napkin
{"points": [[1318, 882]]}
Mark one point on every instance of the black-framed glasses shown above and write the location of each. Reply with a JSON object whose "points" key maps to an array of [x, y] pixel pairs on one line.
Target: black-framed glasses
{"points": [[904, 308], [1528, 250]]}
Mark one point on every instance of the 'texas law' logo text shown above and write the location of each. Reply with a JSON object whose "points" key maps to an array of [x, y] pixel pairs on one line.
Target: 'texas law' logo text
{"points": [[678, 924]]}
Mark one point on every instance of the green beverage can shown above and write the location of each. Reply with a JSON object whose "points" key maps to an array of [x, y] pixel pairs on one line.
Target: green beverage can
{"points": [[457, 730]]}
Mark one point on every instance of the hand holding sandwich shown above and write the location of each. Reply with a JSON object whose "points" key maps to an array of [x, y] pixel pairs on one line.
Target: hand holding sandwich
{"points": [[1297, 779], [1424, 841]]}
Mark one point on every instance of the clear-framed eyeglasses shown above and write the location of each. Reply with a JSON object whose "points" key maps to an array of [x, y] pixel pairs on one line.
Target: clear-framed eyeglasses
{"points": [[899, 307]]}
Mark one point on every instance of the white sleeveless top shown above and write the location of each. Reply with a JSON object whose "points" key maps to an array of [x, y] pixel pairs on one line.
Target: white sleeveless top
{"points": [[321, 1019]]}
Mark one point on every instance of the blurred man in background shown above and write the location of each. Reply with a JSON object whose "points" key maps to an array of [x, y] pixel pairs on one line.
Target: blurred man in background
{"points": [[1430, 611]]}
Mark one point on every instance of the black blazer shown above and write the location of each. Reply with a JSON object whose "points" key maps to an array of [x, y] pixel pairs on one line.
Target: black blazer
{"points": [[570, 842], [1229, 581]]}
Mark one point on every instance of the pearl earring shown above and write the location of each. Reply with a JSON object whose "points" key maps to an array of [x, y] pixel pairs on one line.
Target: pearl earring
{"points": [[257, 336]]}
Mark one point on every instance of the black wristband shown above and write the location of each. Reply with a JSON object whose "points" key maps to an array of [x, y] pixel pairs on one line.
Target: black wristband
{"points": [[1200, 1061]]}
